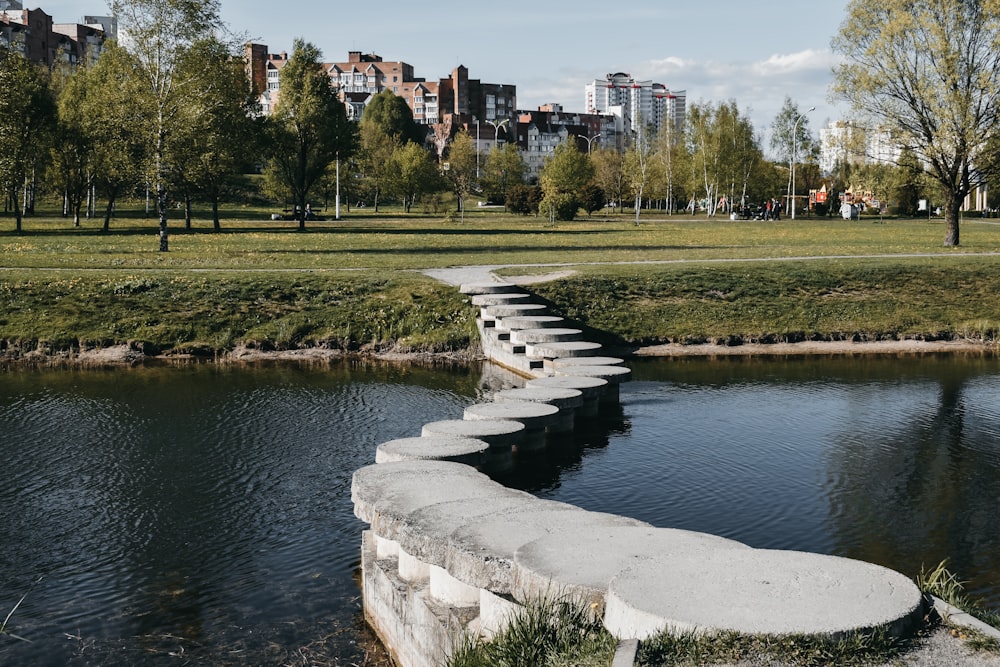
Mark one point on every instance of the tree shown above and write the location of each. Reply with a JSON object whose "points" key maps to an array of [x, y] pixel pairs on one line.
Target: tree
{"points": [[71, 162], [929, 69], [418, 174], [609, 173], [791, 140], [592, 198], [393, 115], [460, 168], [377, 160], [309, 128], [157, 33], [563, 177], [27, 118], [114, 125], [217, 136], [504, 168]]}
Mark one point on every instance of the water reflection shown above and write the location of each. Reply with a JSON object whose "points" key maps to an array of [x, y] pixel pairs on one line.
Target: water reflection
{"points": [[894, 461]]}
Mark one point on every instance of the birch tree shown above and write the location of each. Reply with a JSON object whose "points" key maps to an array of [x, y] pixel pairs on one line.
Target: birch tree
{"points": [[929, 70], [158, 33]]}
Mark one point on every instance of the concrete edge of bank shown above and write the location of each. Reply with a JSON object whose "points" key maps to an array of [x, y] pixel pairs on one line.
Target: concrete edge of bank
{"points": [[450, 552]]}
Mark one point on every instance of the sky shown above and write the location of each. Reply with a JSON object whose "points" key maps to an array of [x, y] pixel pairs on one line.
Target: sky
{"points": [[755, 52]]}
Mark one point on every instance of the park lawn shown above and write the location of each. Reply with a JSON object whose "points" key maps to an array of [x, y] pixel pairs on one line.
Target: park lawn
{"points": [[353, 284]]}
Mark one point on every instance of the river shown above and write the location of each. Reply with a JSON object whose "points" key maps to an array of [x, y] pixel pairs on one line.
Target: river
{"points": [[204, 511]]}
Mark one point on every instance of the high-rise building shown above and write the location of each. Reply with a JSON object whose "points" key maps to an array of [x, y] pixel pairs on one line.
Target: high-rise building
{"points": [[640, 104]]}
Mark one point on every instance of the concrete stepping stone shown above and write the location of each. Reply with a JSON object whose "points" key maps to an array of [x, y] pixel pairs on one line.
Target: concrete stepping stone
{"points": [[500, 434], [567, 400], [536, 417], [568, 349], [503, 299], [548, 335], [592, 389], [499, 312], [568, 362], [615, 375], [400, 487], [488, 288], [581, 565], [470, 451], [515, 322], [759, 591]]}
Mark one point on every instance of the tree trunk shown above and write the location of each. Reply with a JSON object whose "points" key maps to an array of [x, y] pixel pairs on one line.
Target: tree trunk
{"points": [[111, 207], [187, 211], [215, 214], [161, 205], [951, 213]]}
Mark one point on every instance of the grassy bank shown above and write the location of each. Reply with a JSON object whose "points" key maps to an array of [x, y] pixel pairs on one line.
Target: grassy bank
{"points": [[352, 284]]}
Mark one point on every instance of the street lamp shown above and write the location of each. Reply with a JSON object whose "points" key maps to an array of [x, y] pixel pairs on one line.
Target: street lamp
{"points": [[496, 129], [791, 165], [589, 140]]}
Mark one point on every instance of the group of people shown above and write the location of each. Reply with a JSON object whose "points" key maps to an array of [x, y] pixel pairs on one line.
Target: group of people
{"points": [[769, 209]]}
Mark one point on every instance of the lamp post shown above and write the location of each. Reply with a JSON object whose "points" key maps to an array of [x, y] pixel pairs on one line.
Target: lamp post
{"points": [[589, 140], [496, 129], [791, 166], [477, 146]]}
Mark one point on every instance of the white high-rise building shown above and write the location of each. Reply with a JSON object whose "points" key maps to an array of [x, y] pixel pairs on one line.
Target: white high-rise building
{"points": [[637, 103]]}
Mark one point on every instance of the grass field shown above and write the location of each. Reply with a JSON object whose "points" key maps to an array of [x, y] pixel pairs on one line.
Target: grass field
{"points": [[354, 283]]}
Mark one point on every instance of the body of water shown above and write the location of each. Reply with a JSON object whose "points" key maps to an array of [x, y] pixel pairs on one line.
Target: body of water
{"points": [[204, 512]]}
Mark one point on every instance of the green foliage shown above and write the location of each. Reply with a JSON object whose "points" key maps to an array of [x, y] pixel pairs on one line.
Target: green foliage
{"points": [[546, 632], [566, 171], [559, 206], [309, 128], [592, 198], [27, 119], [393, 116], [523, 199], [932, 72]]}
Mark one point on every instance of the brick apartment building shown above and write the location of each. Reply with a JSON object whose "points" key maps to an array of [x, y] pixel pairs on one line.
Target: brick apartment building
{"points": [[33, 34]]}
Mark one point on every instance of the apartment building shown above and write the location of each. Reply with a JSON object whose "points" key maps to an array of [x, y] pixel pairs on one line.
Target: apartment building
{"points": [[32, 33], [539, 132], [639, 104], [844, 142]]}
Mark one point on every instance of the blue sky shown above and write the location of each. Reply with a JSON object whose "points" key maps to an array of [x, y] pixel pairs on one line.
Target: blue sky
{"points": [[755, 52]]}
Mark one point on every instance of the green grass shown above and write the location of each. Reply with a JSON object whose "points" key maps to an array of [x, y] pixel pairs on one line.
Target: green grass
{"points": [[547, 632], [353, 283], [785, 301], [944, 584], [207, 312]]}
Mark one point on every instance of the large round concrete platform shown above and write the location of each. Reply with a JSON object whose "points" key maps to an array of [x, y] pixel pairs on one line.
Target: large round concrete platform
{"points": [[500, 434], [581, 565], [481, 553], [470, 451], [424, 532], [759, 591]]}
